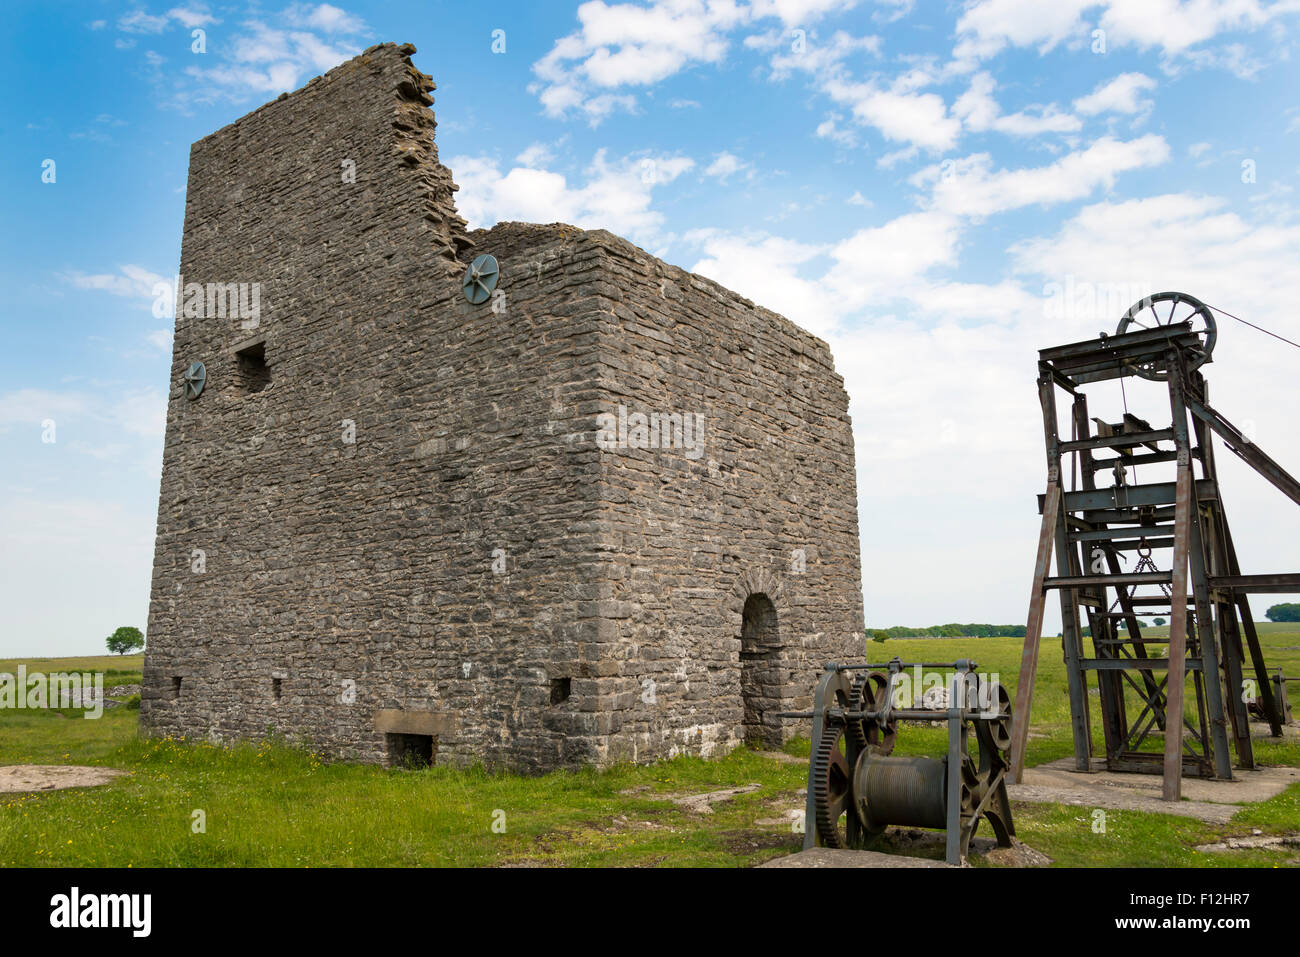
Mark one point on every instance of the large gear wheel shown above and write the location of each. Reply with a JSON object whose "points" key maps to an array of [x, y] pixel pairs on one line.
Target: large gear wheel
{"points": [[837, 822]]}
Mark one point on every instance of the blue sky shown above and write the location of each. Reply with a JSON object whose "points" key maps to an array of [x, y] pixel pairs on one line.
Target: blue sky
{"points": [[915, 182]]}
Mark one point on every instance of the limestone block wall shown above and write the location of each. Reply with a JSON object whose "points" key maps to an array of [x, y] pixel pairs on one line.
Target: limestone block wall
{"points": [[763, 510], [325, 544], [392, 512]]}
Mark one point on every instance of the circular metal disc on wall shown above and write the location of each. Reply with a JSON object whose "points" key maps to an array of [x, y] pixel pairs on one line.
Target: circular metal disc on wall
{"points": [[480, 278], [196, 376]]}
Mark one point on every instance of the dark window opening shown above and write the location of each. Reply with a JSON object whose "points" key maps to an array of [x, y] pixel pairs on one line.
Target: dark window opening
{"points": [[253, 374], [561, 688], [277, 685], [176, 687], [411, 750]]}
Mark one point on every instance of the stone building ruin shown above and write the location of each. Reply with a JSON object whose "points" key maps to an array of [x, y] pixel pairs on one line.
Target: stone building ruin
{"points": [[607, 513]]}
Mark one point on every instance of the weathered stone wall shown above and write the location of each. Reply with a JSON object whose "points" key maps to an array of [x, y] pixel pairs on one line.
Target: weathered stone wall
{"points": [[412, 528], [764, 508]]}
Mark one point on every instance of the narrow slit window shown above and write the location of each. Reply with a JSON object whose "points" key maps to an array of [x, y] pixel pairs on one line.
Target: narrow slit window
{"points": [[252, 372], [561, 688]]}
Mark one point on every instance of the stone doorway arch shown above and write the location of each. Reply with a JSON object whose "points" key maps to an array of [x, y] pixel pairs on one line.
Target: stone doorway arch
{"points": [[760, 671]]}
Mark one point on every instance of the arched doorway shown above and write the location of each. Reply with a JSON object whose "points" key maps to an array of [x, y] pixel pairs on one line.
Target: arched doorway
{"points": [[760, 677]]}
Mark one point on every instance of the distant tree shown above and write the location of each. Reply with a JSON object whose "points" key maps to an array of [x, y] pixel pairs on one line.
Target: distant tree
{"points": [[1157, 622], [1287, 612], [880, 635], [127, 638]]}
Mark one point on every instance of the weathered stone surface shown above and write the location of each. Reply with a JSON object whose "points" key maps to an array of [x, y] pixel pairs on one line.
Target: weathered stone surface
{"points": [[16, 778], [479, 548]]}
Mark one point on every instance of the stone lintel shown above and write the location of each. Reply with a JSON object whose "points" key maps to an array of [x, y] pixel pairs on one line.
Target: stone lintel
{"points": [[400, 721]]}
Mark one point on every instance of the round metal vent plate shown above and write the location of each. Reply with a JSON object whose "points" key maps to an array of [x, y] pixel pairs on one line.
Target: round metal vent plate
{"points": [[480, 279]]}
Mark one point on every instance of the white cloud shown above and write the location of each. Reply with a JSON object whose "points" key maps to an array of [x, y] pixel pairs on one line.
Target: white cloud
{"points": [[265, 58], [978, 109], [616, 195], [727, 164], [130, 281], [28, 407], [269, 61], [769, 270], [1181, 240], [535, 154], [622, 45], [826, 287], [1235, 58], [986, 27], [140, 412], [970, 187], [626, 44], [190, 16], [890, 160], [874, 260], [919, 119], [1123, 94], [325, 17], [793, 13], [1175, 27], [900, 264], [893, 10], [830, 129], [813, 56], [137, 21]]}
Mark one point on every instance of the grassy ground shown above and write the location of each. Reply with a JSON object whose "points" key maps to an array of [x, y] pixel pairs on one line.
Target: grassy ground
{"points": [[275, 805]]}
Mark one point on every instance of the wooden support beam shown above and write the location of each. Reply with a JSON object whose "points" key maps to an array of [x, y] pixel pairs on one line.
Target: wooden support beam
{"points": [[1176, 686], [1033, 633]]}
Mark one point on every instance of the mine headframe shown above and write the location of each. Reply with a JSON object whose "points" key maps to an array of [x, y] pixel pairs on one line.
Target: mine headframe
{"points": [[1103, 540], [857, 787]]}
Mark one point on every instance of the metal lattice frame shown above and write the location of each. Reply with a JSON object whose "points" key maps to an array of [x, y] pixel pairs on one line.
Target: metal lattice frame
{"points": [[1087, 531]]}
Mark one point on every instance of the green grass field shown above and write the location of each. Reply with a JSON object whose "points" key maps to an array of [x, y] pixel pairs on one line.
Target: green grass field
{"points": [[276, 805]]}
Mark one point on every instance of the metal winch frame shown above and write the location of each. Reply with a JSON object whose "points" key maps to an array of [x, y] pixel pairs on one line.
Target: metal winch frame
{"points": [[857, 787]]}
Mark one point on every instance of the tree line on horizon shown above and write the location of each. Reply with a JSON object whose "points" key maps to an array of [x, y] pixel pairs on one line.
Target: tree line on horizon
{"points": [[952, 630]]}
